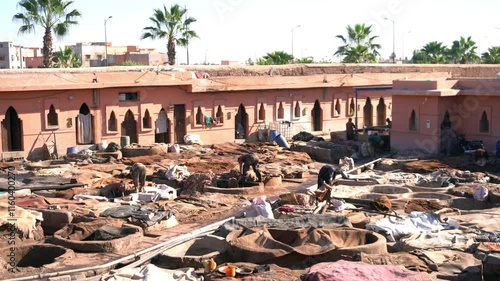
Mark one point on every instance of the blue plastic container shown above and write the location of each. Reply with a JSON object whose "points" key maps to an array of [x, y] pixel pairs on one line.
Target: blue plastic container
{"points": [[281, 141], [72, 150], [498, 149], [273, 135]]}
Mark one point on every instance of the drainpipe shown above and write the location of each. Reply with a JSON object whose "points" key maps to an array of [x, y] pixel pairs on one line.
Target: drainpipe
{"points": [[380, 88]]}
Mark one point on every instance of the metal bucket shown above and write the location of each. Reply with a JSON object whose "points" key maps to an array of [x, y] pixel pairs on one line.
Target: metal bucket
{"points": [[124, 141]]}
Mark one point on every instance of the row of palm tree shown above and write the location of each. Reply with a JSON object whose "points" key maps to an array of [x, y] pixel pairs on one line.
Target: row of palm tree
{"points": [[359, 47], [462, 51], [55, 16]]}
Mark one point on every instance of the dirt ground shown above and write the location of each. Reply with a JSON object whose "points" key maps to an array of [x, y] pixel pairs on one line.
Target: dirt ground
{"points": [[197, 209], [463, 162], [198, 159]]}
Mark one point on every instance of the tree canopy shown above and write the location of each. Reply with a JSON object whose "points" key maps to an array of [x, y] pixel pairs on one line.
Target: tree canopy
{"points": [[52, 16], [173, 25], [359, 45]]}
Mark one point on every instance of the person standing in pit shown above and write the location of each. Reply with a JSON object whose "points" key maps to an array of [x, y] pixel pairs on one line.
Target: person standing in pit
{"points": [[247, 160], [349, 129]]}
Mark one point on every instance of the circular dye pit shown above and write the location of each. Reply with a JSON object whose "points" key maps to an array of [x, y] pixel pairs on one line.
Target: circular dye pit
{"points": [[429, 196], [105, 237], [192, 253], [247, 188], [470, 204], [418, 188], [389, 189], [37, 255], [373, 196], [336, 243]]}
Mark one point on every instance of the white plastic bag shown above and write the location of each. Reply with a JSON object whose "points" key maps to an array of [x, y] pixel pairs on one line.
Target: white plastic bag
{"points": [[262, 207], [175, 148], [167, 192], [177, 173], [192, 139], [481, 193]]}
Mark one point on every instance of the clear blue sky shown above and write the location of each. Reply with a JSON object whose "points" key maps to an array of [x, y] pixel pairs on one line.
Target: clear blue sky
{"points": [[242, 29]]}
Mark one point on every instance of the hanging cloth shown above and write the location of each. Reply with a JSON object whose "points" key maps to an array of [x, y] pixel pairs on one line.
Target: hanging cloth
{"points": [[84, 128], [208, 120]]}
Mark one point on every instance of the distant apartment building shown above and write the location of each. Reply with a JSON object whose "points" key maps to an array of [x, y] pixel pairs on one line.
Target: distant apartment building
{"points": [[33, 57], [94, 54], [11, 56], [229, 62]]}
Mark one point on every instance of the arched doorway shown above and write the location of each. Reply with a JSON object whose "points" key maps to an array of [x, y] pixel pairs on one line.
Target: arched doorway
{"points": [[84, 121], [241, 123], [446, 120], [381, 112], [162, 130], [443, 139], [12, 131], [129, 127], [368, 113], [317, 117]]}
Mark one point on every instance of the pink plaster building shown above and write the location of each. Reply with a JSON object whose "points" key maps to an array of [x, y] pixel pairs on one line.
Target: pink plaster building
{"points": [[73, 107], [421, 107]]}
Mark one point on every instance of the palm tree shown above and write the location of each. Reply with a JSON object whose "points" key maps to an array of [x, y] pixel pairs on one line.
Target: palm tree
{"points": [[492, 56], [187, 34], [305, 60], [66, 58], [420, 56], [435, 51], [358, 46], [172, 25], [463, 51], [276, 57], [359, 54], [52, 16]]}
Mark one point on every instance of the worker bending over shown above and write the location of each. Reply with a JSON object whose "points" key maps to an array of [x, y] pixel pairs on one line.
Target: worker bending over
{"points": [[248, 160], [138, 172], [326, 178], [113, 190], [481, 157]]}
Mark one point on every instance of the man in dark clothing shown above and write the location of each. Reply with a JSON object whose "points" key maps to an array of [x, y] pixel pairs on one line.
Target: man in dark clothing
{"points": [[349, 129], [248, 160], [326, 177], [113, 190], [481, 157], [375, 144]]}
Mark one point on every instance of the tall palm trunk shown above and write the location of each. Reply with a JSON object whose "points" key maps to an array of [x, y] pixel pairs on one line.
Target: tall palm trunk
{"points": [[47, 48], [171, 51], [187, 53]]}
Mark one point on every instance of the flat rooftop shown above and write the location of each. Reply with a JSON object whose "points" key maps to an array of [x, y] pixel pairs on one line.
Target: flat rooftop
{"points": [[201, 78]]}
